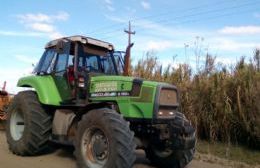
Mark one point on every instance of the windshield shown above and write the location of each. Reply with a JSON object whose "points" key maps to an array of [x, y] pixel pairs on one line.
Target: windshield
{"points": [[99, 60], [110, 63], [97, 63]]}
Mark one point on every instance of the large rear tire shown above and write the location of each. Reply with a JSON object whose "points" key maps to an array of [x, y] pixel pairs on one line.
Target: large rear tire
{"points": [[104, 139], [28, 126]]}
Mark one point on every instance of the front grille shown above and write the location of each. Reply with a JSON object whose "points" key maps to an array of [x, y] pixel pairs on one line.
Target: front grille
{"points": [[167, 101], [168, 97]]}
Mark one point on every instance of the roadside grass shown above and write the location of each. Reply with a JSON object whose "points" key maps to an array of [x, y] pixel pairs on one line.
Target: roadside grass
{"points": [[221, 101], [234, 153]]}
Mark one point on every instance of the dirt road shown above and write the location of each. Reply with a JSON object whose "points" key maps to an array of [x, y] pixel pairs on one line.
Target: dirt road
{"points": [[64, 159]]}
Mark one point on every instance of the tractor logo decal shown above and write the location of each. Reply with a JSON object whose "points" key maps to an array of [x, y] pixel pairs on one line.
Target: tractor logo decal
{"points": [[105, 87], [109, 94]]}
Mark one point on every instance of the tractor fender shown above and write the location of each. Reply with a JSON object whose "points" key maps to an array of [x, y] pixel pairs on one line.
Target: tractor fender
{"points": [[45, 88]]}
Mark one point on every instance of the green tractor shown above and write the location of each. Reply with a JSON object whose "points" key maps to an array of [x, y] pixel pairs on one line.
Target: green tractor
{"points": [[78, 96]]}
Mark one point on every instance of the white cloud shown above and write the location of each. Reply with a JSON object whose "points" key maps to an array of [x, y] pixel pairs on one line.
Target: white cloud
{"points": [[42, 27], [240, 30], [43, 23], [40, 17], [226, 44], [146, 5], [20, 34], [46, 29]]}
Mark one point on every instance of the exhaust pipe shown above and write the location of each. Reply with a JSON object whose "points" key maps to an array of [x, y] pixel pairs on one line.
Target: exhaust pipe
{"points": [[127, 59]]}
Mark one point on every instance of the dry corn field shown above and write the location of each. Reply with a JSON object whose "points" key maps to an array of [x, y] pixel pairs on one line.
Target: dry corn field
{"points": [[223, 102]]}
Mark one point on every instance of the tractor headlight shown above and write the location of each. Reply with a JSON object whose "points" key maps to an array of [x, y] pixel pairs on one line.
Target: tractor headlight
{"points": [[165, 113]]}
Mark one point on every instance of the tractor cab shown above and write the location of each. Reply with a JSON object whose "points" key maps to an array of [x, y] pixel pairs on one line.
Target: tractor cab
{"points": [[71, 61]]}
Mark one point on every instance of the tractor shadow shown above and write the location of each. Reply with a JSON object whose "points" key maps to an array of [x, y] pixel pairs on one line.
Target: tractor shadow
{"points": [[67, 152], [141, 160]]}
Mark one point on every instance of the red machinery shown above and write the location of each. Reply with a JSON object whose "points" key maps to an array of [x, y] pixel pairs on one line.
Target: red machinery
{"points": [[4, 102]]}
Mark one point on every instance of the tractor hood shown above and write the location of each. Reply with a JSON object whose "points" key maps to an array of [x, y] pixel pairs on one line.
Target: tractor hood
{"points": [[135, 97], [118, 86]]}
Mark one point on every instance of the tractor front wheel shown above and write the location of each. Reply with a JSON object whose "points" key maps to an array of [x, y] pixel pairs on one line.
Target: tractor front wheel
{"points": [[169, 158], [104, 139], [28, 125]]}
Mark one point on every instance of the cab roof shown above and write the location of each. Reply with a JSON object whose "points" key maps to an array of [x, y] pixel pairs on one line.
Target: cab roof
{"points": [[83, 40]]}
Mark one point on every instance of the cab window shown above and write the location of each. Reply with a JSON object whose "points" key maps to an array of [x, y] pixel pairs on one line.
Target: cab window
{"points": [[61, 63], [92, 63], [108, 65], [46, 62]]}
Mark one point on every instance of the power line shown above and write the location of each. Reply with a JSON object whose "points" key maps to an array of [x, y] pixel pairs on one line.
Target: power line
{"points": [[205, 12], [101, 29], [212, 17], [167, 21], [219, 3]]}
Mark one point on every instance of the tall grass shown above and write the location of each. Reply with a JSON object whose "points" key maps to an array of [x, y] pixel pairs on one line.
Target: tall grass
{"points": [[222, 102]]}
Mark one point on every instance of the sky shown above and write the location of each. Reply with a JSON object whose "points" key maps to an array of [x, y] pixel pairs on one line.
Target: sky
{"points": [[227, 29]]}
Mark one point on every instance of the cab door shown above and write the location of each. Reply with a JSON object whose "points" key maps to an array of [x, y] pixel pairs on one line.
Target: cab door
{"points": [[60, 72]]}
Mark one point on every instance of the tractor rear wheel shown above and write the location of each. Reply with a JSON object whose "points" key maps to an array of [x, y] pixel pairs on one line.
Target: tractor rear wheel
{"points": [[104, 139], [28, 126]]}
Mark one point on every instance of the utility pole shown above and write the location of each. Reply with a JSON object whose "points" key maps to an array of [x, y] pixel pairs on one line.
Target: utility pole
{"points": [[128, 50], [129, 32]]}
